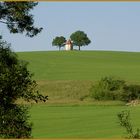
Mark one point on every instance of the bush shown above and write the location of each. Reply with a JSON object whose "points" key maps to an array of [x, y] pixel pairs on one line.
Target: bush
{"points": [[108, 88], [124, 120], [130, 92]]}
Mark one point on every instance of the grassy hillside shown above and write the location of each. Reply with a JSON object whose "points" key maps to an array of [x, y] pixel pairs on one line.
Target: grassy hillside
{"points": [[66, 77], [83, 65]]}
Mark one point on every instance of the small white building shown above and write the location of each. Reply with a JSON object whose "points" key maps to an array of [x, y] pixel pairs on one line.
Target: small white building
{"points": [[68, 45]]}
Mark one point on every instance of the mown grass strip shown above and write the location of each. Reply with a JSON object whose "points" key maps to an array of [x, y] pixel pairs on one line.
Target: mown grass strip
{"points": [[80, 121]]}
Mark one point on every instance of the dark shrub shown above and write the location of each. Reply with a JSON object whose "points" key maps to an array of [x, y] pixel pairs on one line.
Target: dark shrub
{"points": [[15, 83], [14, 122], [130, 92]]}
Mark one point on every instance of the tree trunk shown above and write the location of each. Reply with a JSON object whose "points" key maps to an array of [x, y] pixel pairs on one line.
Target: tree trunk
{"points": [[79, 48], [59, 48]]}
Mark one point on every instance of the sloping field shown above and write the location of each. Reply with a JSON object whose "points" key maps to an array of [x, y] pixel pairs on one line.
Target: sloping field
{"points": [[83, 65], [67, 77]]}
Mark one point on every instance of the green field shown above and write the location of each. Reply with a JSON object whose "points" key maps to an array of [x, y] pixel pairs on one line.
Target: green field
{"points": [[66, 78], [83, 65], [83, 121]]}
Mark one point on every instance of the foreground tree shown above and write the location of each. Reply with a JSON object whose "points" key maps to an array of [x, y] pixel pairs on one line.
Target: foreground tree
{"points": [[15, 79], [79, 39], [15, 83], [59, 42], [17, 17]]}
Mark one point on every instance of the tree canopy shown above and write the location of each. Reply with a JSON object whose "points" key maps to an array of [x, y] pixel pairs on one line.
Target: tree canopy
{"points": [[79, 39], [15, 83], [15, 79], [17, 17], [59, 41]]}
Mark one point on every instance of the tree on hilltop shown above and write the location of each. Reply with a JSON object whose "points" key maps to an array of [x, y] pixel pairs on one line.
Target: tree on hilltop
{"points": [[59, 41], [80, 39]]}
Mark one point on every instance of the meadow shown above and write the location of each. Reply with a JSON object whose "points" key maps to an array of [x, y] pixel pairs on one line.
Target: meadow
{"points": [[66, 78], [83, 65], [80, 121]]}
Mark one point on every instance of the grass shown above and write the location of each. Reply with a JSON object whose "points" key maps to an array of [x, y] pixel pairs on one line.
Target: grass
{"points": [[83, 65], [81, 121], [67, 77], [65, 91]]}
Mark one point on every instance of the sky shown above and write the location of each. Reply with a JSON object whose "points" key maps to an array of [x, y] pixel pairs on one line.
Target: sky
{"points": [[113, 26]]}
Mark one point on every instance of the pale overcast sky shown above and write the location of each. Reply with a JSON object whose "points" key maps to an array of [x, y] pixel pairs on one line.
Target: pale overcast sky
{"points": [[109, 25]]}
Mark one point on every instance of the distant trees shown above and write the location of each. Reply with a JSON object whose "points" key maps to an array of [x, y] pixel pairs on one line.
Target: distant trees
{"points": [[59, 42], [80, 39]]}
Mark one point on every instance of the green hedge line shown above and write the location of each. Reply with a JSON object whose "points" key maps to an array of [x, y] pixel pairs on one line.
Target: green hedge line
{"points": [[111, 88]]}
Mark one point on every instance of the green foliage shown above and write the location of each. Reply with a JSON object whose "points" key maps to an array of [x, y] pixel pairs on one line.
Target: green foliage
{"points": [[14, 122], [17, 17], [59, 41], [15, 83], [108, 88], [130, 92], [124, 120], [79, 39], [15, 79]]}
